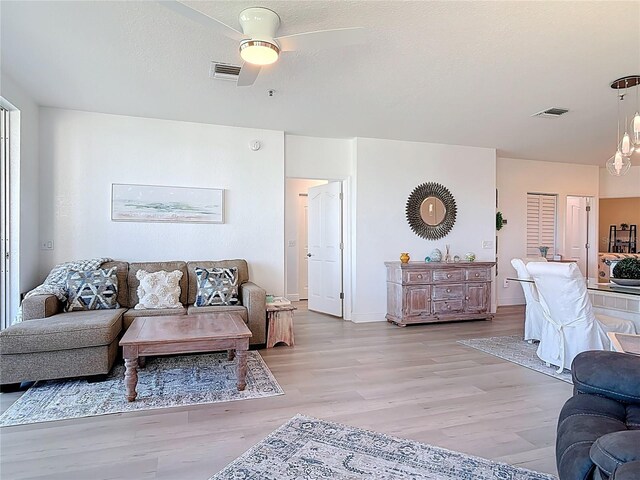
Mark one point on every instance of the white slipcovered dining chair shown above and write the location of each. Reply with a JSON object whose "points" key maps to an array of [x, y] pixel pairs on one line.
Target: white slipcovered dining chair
{"points": [[571, 326], [534, 316]]}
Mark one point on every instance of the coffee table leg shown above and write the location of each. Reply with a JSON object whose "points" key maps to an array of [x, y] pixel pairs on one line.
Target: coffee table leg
{"points": [[231, 354], [242, 369], [131, 377]]}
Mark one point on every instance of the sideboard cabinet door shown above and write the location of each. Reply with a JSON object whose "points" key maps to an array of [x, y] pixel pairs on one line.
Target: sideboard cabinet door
{"points": [[477, 297], [418, 300]]}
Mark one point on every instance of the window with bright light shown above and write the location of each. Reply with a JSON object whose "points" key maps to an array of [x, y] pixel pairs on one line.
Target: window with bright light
{"points": [[5, 192]]}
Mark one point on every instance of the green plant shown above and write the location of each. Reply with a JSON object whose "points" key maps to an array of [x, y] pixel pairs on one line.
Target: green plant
{"points": [[627, 268], [499, 221]]}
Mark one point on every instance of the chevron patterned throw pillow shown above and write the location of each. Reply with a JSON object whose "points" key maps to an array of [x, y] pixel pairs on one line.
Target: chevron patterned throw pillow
{"points": [[217, 286], [92, 290]]}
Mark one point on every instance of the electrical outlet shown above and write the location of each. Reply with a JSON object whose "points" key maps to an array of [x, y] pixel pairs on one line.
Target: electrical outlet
{"points": [[292, 243], [487, 244], [46, 245], [505, 284]]}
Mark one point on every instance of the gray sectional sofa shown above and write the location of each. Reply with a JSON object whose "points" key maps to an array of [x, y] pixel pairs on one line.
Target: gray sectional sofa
{"points": [[598, 436], [50, 344]]}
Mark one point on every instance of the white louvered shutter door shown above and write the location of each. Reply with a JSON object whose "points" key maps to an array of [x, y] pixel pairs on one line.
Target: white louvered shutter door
{"points": [[541, 223]]}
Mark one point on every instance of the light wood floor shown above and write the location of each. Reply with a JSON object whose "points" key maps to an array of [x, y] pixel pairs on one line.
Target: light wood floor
{"points": [[414, 382]]}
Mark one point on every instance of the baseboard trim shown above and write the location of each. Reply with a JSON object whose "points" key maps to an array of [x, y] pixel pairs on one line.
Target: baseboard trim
{"points": [[368, 317], [504, 302]]}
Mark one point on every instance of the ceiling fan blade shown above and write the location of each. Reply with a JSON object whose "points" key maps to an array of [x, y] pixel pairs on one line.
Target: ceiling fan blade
{"points": [[202, 19], [248, 74], [322, 39]]}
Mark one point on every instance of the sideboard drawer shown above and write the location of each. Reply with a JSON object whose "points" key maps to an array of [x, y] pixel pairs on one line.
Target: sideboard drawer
{"points": [[478, 274], [447, 292], [448, 306], [413, 278], [451, 275]]}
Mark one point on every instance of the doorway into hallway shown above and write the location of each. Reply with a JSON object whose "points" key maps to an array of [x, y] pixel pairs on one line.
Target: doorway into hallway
{"points": [[314, 244]]}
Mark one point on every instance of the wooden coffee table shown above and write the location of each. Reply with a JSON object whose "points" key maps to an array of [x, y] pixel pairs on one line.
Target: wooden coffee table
{"points": [[175, 334]]}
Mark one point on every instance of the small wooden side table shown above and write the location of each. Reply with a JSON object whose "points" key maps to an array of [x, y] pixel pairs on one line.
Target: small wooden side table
{"points": [[280, 324]]}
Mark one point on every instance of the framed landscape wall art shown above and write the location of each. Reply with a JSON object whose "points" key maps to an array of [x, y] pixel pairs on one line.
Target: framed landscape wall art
{"points": [[154, 203]]}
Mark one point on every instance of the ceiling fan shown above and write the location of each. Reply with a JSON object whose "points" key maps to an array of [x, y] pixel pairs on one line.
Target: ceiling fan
{"points": [[259, 45]]}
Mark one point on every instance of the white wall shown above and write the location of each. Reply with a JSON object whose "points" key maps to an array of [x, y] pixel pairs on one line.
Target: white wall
{"points": [[293, 188], [617, 187], [24, 159], [315, 157], [516, 178], [386, 173], [82, 154]]}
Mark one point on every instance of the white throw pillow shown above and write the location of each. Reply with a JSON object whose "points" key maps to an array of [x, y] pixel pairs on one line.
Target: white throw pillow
{"points": [[158, 289]]}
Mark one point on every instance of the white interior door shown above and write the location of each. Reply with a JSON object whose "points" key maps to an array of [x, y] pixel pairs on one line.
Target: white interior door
{"points": [[576, 231], [303, 247], [325, 248]]}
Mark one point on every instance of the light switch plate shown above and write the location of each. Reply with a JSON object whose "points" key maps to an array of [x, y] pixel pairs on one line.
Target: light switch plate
{"points": [[487, 244], [292, 243], [46, 245]]}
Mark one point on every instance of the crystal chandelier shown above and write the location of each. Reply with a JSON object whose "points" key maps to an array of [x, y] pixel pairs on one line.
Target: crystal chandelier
{"points": [[620, 163]]}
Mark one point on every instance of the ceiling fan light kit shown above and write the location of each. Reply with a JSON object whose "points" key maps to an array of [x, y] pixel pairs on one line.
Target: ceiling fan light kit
{"points": [[259, 45], [259, 52], [260, 25], [620, 163]]}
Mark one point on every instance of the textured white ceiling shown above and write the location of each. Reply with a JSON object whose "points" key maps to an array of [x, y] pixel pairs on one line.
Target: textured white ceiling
{"points": [[468, 73]]}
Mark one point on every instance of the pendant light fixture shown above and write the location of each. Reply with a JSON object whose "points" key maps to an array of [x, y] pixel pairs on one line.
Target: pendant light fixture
{"points": [[620, 163], [635, 123]]}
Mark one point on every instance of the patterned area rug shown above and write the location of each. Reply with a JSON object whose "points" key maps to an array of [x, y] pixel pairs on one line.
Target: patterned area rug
{"points": [[309, 448], [515, 349], [165, 382]]}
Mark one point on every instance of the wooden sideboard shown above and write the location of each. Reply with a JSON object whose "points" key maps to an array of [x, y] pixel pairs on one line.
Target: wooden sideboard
{"points": [[420, 292]]}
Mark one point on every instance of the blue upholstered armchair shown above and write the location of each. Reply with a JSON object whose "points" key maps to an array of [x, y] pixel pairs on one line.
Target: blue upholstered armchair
{"points": [[599, 427]]}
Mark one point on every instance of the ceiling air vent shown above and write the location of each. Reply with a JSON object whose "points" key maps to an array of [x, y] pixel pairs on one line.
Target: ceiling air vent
{"points": [[554, 112], [224, 71]]}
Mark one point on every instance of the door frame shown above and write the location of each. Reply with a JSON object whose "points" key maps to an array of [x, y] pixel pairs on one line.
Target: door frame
{"points": [[301, 230], [347, 241]]}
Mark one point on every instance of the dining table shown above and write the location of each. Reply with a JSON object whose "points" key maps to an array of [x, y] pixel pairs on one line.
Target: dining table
{"points": [[609, 299], [594, 285], [624, 342]]}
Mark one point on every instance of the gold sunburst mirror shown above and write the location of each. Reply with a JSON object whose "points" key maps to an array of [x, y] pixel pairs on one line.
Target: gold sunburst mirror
{"points": [[431, 211]]}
